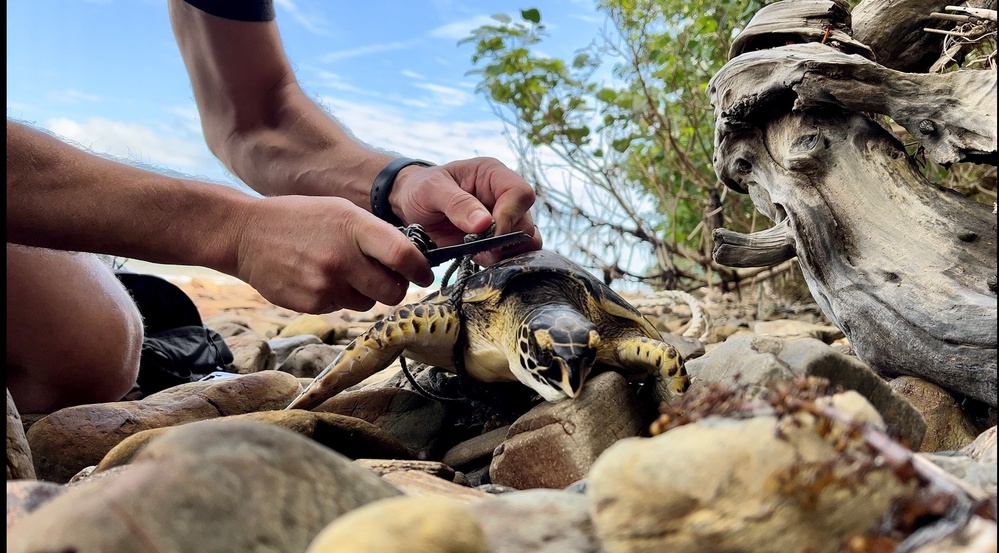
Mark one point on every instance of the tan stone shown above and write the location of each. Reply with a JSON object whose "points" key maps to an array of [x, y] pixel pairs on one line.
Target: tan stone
{"points": [[206, 486], [424, 524], [947, 427], [715, 485], [413, 482], [348, 436], [70, 439], [554, 444], [251, 354]]}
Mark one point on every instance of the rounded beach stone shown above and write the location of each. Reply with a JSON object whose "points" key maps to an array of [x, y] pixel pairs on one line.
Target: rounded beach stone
{"points": [[411, 524], [70, 439], [206, 486]]}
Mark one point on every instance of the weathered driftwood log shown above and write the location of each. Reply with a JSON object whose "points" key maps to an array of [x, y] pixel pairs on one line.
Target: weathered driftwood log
{"points": [[824, 21], [899, 264], [952, 115], [894, 31]]}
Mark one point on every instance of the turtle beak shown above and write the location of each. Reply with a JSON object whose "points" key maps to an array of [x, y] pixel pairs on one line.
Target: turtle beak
{"points": [[572, 379], [574, 374]]}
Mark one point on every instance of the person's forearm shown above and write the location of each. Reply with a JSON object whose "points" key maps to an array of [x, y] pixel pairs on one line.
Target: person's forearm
{"points": [[256, 118], [62, 197], [303, 151]]}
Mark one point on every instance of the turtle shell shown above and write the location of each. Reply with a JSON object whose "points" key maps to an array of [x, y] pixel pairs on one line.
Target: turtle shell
{"points": [[491, 282]]}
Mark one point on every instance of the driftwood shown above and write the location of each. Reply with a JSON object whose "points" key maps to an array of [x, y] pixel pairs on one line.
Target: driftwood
{"points": [[904, 268]]}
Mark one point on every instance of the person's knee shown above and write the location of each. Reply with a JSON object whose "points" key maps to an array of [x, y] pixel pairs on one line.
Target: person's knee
{"points": [[74, 335], [118, 361]]}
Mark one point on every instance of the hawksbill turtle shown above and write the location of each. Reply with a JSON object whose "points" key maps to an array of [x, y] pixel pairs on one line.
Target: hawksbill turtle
{"points": [[537, 317]]}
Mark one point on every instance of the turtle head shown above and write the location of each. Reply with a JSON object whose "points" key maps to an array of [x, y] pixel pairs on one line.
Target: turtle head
{"points": [[556, 350]]}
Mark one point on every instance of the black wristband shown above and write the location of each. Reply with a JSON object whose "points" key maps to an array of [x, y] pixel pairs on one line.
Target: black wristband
{"points": [[382, 187]]}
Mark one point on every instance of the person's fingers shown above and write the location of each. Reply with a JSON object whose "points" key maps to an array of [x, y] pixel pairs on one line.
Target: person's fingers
{"points": [[347, 298], [384, 244], [374, 280], [512, 210], [490, 257], [463, 209], [318, 255]]}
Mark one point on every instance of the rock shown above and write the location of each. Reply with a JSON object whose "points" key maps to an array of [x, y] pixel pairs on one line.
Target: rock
{"points": [[283, 347], [983, 448], [404, 525], [309, 360], [976, 463], [70, 439], [495, 489], [231, 330], [251, 354], [411, 418], [476, 450], [479, 478], [788, 328], [206, 486], [554, 444], [720, 333], [947, 427], [19, 463], [89, 474], [347, 436], [741, 360], [228, 325], [382, 467], [226, 318], [28, 419], [539, 521], [734, 485], [267, 326], [764, 362], [25, 496], [315, 325], [978, 536], [413, 482]]}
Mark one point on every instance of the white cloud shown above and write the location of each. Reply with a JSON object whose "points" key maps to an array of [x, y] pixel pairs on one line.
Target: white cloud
{"points": [[312, 20], [389, 128], [365, 50], [447, 96], [461, 29], [133, 142], [73, 96], [412, 74]]}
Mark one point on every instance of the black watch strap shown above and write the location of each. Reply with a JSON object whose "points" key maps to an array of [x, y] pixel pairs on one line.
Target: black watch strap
{"points": [[382, 187]]}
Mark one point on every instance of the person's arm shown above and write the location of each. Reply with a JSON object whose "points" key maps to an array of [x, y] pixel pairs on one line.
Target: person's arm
{"points": [[305, 253], [256, 118], [264, 128]]}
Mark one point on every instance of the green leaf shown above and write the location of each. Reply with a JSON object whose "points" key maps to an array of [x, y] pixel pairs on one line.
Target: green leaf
{"points": [[501, 17], [607, 95], [580, 60], [532, 15]]}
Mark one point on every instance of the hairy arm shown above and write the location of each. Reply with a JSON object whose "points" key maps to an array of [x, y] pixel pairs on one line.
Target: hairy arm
{"points": [[263, 127], [61, 197], [304, 253], [257, 119]]}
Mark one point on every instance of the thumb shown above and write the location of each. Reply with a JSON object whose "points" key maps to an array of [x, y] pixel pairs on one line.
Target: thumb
{"points": [[466, 212]]}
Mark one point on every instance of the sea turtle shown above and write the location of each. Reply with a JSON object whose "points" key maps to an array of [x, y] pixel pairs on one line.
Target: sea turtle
{"points": [[537, 317]]}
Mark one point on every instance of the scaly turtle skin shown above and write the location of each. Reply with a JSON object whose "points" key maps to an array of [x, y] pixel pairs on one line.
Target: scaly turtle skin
{"points": [[537, 318]]}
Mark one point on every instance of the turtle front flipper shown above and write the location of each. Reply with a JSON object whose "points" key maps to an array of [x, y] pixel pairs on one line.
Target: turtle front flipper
{"points": [[655, 358], [419, 325]]}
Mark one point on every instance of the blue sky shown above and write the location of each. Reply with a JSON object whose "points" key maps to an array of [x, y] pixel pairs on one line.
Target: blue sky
{"points": [[107, 74]]}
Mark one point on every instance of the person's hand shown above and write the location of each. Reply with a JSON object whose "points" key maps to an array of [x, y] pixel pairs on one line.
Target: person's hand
{"points": [[456, 199], [320, 254]]}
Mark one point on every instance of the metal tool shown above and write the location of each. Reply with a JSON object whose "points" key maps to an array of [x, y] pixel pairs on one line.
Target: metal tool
{"points": [[436, 255]]}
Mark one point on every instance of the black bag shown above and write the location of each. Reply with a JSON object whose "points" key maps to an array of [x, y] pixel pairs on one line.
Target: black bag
{"points": [[178, 347]]}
